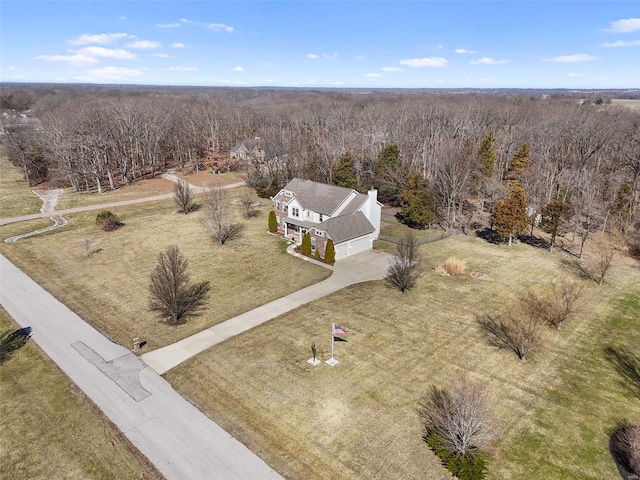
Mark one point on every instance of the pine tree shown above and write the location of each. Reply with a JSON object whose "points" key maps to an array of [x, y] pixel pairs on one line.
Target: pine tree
{"points": [[305, 248], [273, 222], [553, 217], [389, 159], [416, 203], [487, 157], [330, 252], [344, 172], [519, 163], [510, 214]]}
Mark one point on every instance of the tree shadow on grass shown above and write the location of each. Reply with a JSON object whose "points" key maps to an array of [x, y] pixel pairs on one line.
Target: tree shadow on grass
{"points": [[488, 235], [577, 268], [534, 241], [620, 444], [12, 341], [627, 364]]}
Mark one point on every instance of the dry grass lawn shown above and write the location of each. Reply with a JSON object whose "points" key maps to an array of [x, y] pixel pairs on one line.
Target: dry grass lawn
{"points": [[358, 420], [15, 197], [108, 288], [49, 429]]}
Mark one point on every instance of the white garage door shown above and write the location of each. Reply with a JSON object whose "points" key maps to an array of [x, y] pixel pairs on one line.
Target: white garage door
{"points": [[358, 245]]}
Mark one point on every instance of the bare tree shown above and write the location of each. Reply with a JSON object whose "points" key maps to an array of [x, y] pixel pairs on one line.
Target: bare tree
{"points": [[459, 416], [603, 257], [216, 215], [183, 196], [513, 331], [171, 294], [405, 267], [624, 445], [555, 304], [246, 203]]}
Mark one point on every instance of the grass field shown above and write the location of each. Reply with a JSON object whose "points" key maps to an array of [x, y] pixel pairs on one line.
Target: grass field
{"points": [[358, 420], [15, 197], [108, 288], [50, 429], [630, 103]]}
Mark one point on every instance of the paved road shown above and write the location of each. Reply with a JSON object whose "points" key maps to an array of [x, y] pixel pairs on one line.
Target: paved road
{"points": [[176, 437], [102, 206], [363, 267]]}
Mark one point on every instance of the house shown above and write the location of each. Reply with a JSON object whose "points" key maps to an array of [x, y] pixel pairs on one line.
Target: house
{"points": [[248, 150], [349, 218]]}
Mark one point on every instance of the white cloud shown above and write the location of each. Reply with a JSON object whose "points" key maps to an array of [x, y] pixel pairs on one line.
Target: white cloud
{"points": [[338, 83], [574, 74], [188, 22], [108, 74], [625, 25], [580, 57], [425, 62], [330, 55], [312, 55], [123, 17], [464, 50], [163, 55], [75, 60], [183, 69], [100, 39], [117, 53], [373, 75], [168, 25], [220, 26], [143, 44], [360, 57], [488, 61], [392, 69], [622, 43], [238, 69], [178, 45]]}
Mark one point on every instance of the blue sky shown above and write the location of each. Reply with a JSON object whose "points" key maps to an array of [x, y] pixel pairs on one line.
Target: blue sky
{"points": [[386, 44]]}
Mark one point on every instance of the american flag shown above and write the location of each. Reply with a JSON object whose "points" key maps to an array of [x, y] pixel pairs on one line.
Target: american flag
{"points": [[338, 330]]}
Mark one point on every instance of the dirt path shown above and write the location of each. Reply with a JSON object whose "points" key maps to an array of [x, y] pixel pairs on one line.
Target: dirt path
{"points": [[49, 202]]}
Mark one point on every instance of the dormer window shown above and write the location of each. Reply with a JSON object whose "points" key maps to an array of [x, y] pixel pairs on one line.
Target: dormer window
{"points": [[295, 212]]}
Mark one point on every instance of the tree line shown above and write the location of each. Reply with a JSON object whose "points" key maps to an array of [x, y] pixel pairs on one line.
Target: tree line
{"points": [[461, 154]]}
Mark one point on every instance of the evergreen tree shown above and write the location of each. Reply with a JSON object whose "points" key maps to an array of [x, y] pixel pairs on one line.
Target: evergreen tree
{"points": [[344, 172], [273, 222], [389, 159], [487, 157], [330, 252], [305, 248], [519, 163], [553, 217], [510, 214], [416, 203], [390, 175]]}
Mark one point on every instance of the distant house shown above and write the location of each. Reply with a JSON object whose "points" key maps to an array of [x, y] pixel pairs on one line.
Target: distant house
{"points": [[349, 218], [12, 120], [248, 150]]}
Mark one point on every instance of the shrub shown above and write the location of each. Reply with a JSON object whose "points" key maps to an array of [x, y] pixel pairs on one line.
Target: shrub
{"points": [[317, 254], [273, 222], [454, 267], [305, 248], [108, 221], [330, 253]]}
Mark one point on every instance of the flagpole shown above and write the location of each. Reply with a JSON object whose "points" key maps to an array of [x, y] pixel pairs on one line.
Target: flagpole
{"points": [[332, 338]]}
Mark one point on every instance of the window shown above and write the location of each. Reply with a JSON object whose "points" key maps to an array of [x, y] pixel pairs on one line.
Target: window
{"points": [[295, 212], [321, 217], [278, 206], [313, 244], [285, 209]]}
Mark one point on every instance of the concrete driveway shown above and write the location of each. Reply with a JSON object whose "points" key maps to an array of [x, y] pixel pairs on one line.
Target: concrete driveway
{"points": [[177, 438], [362, 267]]}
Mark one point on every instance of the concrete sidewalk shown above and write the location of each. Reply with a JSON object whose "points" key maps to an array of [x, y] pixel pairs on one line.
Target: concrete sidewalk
{"points": [[176, 437], [363, 267]]}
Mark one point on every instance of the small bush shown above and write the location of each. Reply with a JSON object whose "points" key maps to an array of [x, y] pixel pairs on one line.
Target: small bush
{"points": [[305, 248], [108, 221], [273, 222], [454, 267], [317, 254], [330, 253]]}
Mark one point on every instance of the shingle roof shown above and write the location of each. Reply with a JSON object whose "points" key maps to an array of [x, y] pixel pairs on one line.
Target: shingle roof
{"points": [[318, 197], [344, 228], [355, 204]]}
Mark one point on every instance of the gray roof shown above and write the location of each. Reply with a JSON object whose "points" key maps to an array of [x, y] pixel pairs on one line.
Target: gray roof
{"points": [[248, 144], [318, 197], [344, 228], [355, 204]]}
